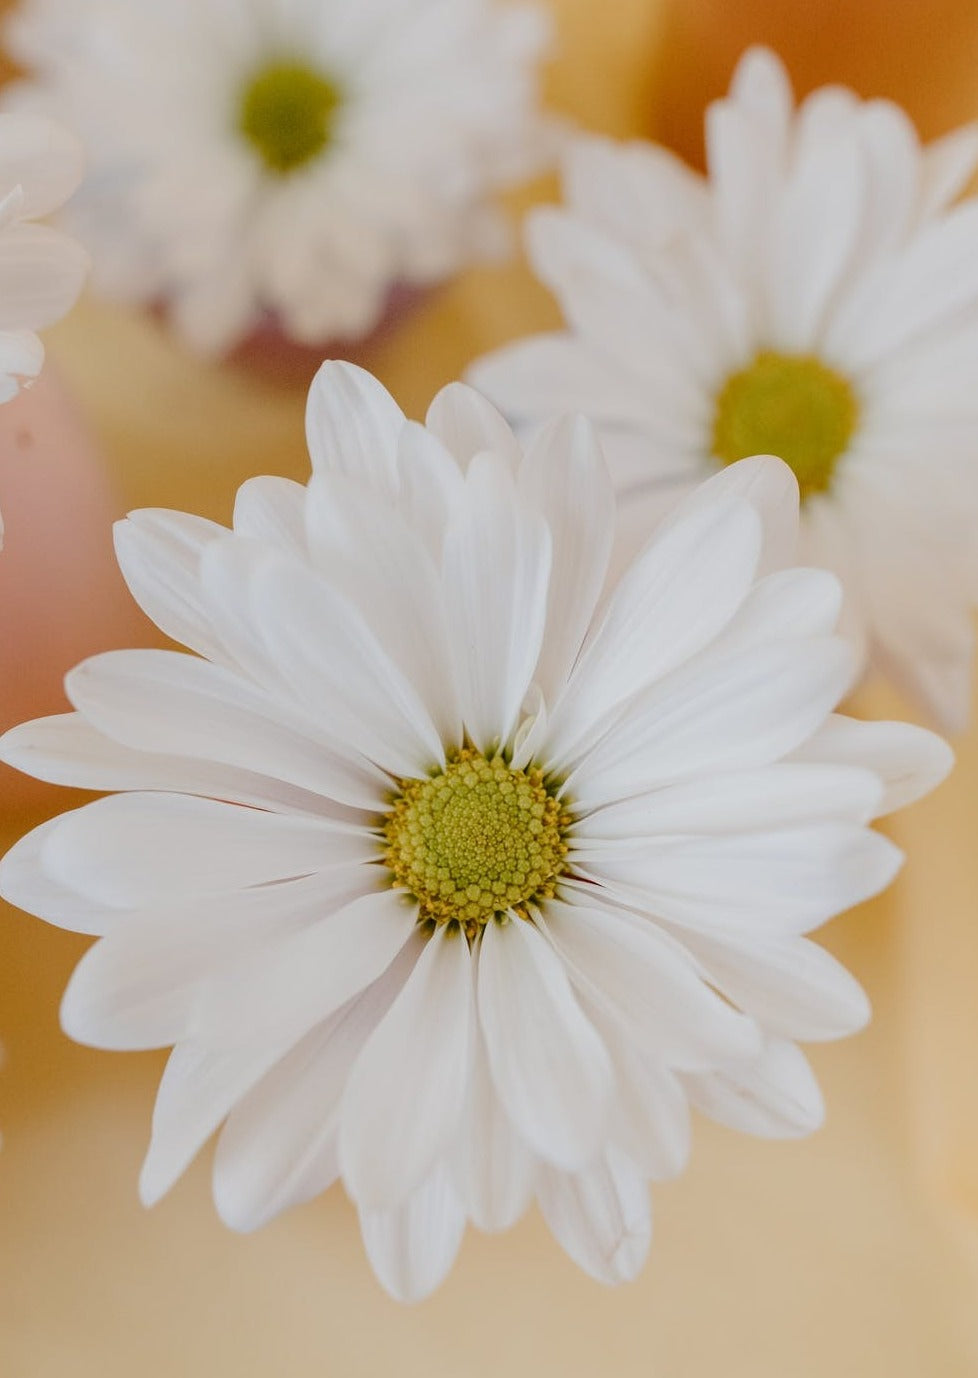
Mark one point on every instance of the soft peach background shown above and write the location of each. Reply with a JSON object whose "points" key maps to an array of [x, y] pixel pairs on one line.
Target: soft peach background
{"points": [[851, 1255]]}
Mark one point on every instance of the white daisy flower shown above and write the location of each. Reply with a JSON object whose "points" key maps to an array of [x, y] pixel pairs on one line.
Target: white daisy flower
{"points": [[302, 158], [449, 874], [815, 297], [41, 270]]}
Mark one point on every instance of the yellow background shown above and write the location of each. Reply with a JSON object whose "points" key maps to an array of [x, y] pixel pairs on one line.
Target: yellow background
{"points": [[850, 1255]]}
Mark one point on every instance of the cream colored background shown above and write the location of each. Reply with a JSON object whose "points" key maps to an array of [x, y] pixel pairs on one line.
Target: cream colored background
{"points": [[851, 1255]]}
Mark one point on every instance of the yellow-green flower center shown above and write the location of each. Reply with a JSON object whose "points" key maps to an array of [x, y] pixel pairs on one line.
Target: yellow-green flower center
{"points": [[788, 405], [287, 114], [476, 840]]}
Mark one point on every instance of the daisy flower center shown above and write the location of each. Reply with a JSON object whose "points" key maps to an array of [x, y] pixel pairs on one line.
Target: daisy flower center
{"points": [[476, 840], [287, 114], [791, 406]]}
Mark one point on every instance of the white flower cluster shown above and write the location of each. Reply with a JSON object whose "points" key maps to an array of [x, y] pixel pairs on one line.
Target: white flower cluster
{"points": [[479, 833]]}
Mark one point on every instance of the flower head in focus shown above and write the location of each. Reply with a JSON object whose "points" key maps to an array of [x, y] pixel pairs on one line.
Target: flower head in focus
{"points": [[450, 869], [42, 271], [297, 159], [815, 297]]}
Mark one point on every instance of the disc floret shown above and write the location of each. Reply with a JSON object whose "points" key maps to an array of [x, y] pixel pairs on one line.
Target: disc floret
{"points": [[476, 841], [788, 405], [287, 114]]}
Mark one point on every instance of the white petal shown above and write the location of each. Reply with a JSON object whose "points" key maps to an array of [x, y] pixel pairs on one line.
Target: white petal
{"points": [[352, 426], [565, 479], [674, 600], [141, 986], [431, 484], [775, 796], [491, 1167], [130, 849], [197, 1090], [282, 992], [41, 157], [777, 1097], [368, 553], [554, 374], [773, 883], [279, 1146], [42, 273], [788, 603], [339, 670], [272, 509], [468, 425], [947, 166], [813, 237], [909, 760], [406, 1092], [741, 712], [495, 576], [550, 1068], [24, 881], [771, 488], [643, 979], [601, 1217], [792, 987], [159, 555], [168, 703], [67, 750], [412, 1248]]}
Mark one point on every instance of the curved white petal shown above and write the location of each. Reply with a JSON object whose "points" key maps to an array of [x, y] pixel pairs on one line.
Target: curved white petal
{"points": [[68, 750], [643, 979], [141, 986], [130, 849], [25, 882], [42, 273], [405, 1095], [733, 713], [340, 670], [199, 1087], [495, 577], [601, 1216], [791, 986], [271, 509], [167, 703], [468, 425], [307, 975], [412, 1247], [491, 1166], [159, 555], [776, 796], [769, 883], [369, 553], [675, 599], [909, 760], [41, 157], [279, 1145], [549, 1067], [565, 479], [352, 426], [776, 1097]]}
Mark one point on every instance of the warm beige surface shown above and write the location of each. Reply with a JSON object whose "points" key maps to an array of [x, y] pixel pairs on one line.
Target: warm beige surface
{"points": [[852, 1255]]}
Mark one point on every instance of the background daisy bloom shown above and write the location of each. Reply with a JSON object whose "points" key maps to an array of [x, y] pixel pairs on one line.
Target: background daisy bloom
{"points": [[815, 297], [41, 270], [295, 157], [448, 873]]}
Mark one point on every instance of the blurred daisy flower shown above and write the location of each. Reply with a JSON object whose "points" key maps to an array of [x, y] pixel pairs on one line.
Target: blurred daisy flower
{"points": [[815, 297], [451, 870], [41, 270], [293, 158]]}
